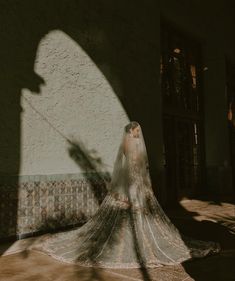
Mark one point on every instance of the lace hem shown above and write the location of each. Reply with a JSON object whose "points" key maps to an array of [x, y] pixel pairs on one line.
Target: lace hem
{"points": [[152, 263], [149, 264]]}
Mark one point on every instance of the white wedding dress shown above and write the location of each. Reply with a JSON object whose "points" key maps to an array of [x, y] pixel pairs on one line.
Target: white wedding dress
{"points": [[130, 229]]}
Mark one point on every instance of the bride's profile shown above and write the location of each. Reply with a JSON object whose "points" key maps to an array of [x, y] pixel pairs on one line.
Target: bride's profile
{"points": [[130, 229]]}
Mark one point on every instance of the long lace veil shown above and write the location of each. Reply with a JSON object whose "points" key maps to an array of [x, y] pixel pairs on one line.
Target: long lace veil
{"points": [[131, 181]]}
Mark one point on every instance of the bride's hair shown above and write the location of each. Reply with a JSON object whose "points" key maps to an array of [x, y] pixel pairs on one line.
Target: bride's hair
{"points": [[131, 125]]}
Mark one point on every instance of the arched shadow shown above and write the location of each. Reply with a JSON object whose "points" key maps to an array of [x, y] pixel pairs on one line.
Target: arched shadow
{"points": [[112, 34]]}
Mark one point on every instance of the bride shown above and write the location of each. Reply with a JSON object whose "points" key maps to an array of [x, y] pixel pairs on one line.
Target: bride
{"points": [[130, 229]]}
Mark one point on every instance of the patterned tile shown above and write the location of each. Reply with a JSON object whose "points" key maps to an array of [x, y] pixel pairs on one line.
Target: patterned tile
{"points": [[35, 205]]}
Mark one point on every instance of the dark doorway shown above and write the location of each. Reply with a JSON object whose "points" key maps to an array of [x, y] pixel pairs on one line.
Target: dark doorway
{"points": [[182, 114]]}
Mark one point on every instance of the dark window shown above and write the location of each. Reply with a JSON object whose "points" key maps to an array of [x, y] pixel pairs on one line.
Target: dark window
{"points": [[182, 113], [180, 62]]}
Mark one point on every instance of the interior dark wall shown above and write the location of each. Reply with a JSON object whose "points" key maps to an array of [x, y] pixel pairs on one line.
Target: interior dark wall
{"points": [[206, 21]]}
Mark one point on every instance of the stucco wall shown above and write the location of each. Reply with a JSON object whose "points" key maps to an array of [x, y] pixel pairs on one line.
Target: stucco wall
{"points": [[75, 103]]}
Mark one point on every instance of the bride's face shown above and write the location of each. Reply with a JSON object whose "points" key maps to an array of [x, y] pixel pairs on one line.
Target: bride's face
{"points": [[136, 132]]}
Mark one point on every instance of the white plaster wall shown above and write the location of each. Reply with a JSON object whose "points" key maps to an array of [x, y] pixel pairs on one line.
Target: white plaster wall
{"points": [[76, 102]]}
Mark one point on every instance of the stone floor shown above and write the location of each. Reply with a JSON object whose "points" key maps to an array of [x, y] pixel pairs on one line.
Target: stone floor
{"points": [[200, 219]]}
